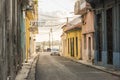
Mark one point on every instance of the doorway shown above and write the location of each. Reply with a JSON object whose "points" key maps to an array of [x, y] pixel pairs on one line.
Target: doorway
{"points": [[72, 46], [99, 33], [89, 48], [76, 46], [109, 19]]}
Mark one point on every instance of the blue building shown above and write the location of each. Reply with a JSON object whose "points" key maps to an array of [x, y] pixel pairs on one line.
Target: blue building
{"points": [[107, 32]]}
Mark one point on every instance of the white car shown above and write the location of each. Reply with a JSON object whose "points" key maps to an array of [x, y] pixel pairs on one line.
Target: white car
{"points": [[55, 52]]}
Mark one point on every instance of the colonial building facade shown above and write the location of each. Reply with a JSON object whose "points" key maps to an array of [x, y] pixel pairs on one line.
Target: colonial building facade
{"points": [[101, 21], [71, 39], [12, 37], [64, 51], [31, 17], [83, 8], [107, 32]]}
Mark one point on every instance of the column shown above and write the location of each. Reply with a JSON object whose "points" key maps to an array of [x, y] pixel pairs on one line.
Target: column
{"points": [[96, 40], [116, 52], [104, 35]]}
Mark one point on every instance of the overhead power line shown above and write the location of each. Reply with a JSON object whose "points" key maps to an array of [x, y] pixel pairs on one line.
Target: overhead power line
{"points": [[48, 16]]}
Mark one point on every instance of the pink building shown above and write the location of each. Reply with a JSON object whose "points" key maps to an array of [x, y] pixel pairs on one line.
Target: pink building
{"points": [[84, 9], [88, 36]]}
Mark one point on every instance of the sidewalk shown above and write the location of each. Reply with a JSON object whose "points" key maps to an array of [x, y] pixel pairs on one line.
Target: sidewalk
{"points": [[23, 73], [107, 70]]}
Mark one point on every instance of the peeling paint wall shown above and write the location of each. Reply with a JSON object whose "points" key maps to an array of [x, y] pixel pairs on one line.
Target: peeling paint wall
{"points": [[10, 50]]}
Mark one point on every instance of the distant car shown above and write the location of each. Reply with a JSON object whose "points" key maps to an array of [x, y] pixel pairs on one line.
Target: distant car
{"points": [[55, 52], [48, 49]]}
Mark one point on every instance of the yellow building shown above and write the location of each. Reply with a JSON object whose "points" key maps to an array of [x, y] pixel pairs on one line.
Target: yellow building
{"points": [[71, 41], [27, 37], [31, 15], [64, 42]]}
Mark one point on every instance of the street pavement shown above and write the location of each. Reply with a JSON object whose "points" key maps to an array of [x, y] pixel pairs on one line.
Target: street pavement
{"points": [[60, 68]]}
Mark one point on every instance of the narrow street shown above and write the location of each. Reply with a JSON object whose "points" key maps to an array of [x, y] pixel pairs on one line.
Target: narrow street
{"points": [[60, 68], [88, 31]]}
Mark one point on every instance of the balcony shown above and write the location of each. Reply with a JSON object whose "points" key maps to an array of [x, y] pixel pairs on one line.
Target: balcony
{"points": [[33, 27], [34, 30], [81, 7], [27, 5]]}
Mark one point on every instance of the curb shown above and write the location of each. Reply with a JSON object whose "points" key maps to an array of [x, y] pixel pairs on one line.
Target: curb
{"points": [[24, 72], [31, 74], [95, 67], [92, 66]]}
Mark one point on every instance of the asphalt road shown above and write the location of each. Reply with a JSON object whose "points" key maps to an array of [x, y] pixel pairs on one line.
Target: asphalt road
{"points": [[60, 68]]}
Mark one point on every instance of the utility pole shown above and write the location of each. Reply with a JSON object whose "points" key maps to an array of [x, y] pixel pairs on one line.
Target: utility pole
{"points": [[51, 38], [49, 41], [67, 20]]}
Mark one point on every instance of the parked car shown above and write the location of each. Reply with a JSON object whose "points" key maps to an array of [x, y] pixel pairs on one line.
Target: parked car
{"points": [[55, 52]]}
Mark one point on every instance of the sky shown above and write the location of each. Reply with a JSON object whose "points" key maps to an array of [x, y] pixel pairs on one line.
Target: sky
{"points": [[53, 8], [56, 5]]}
